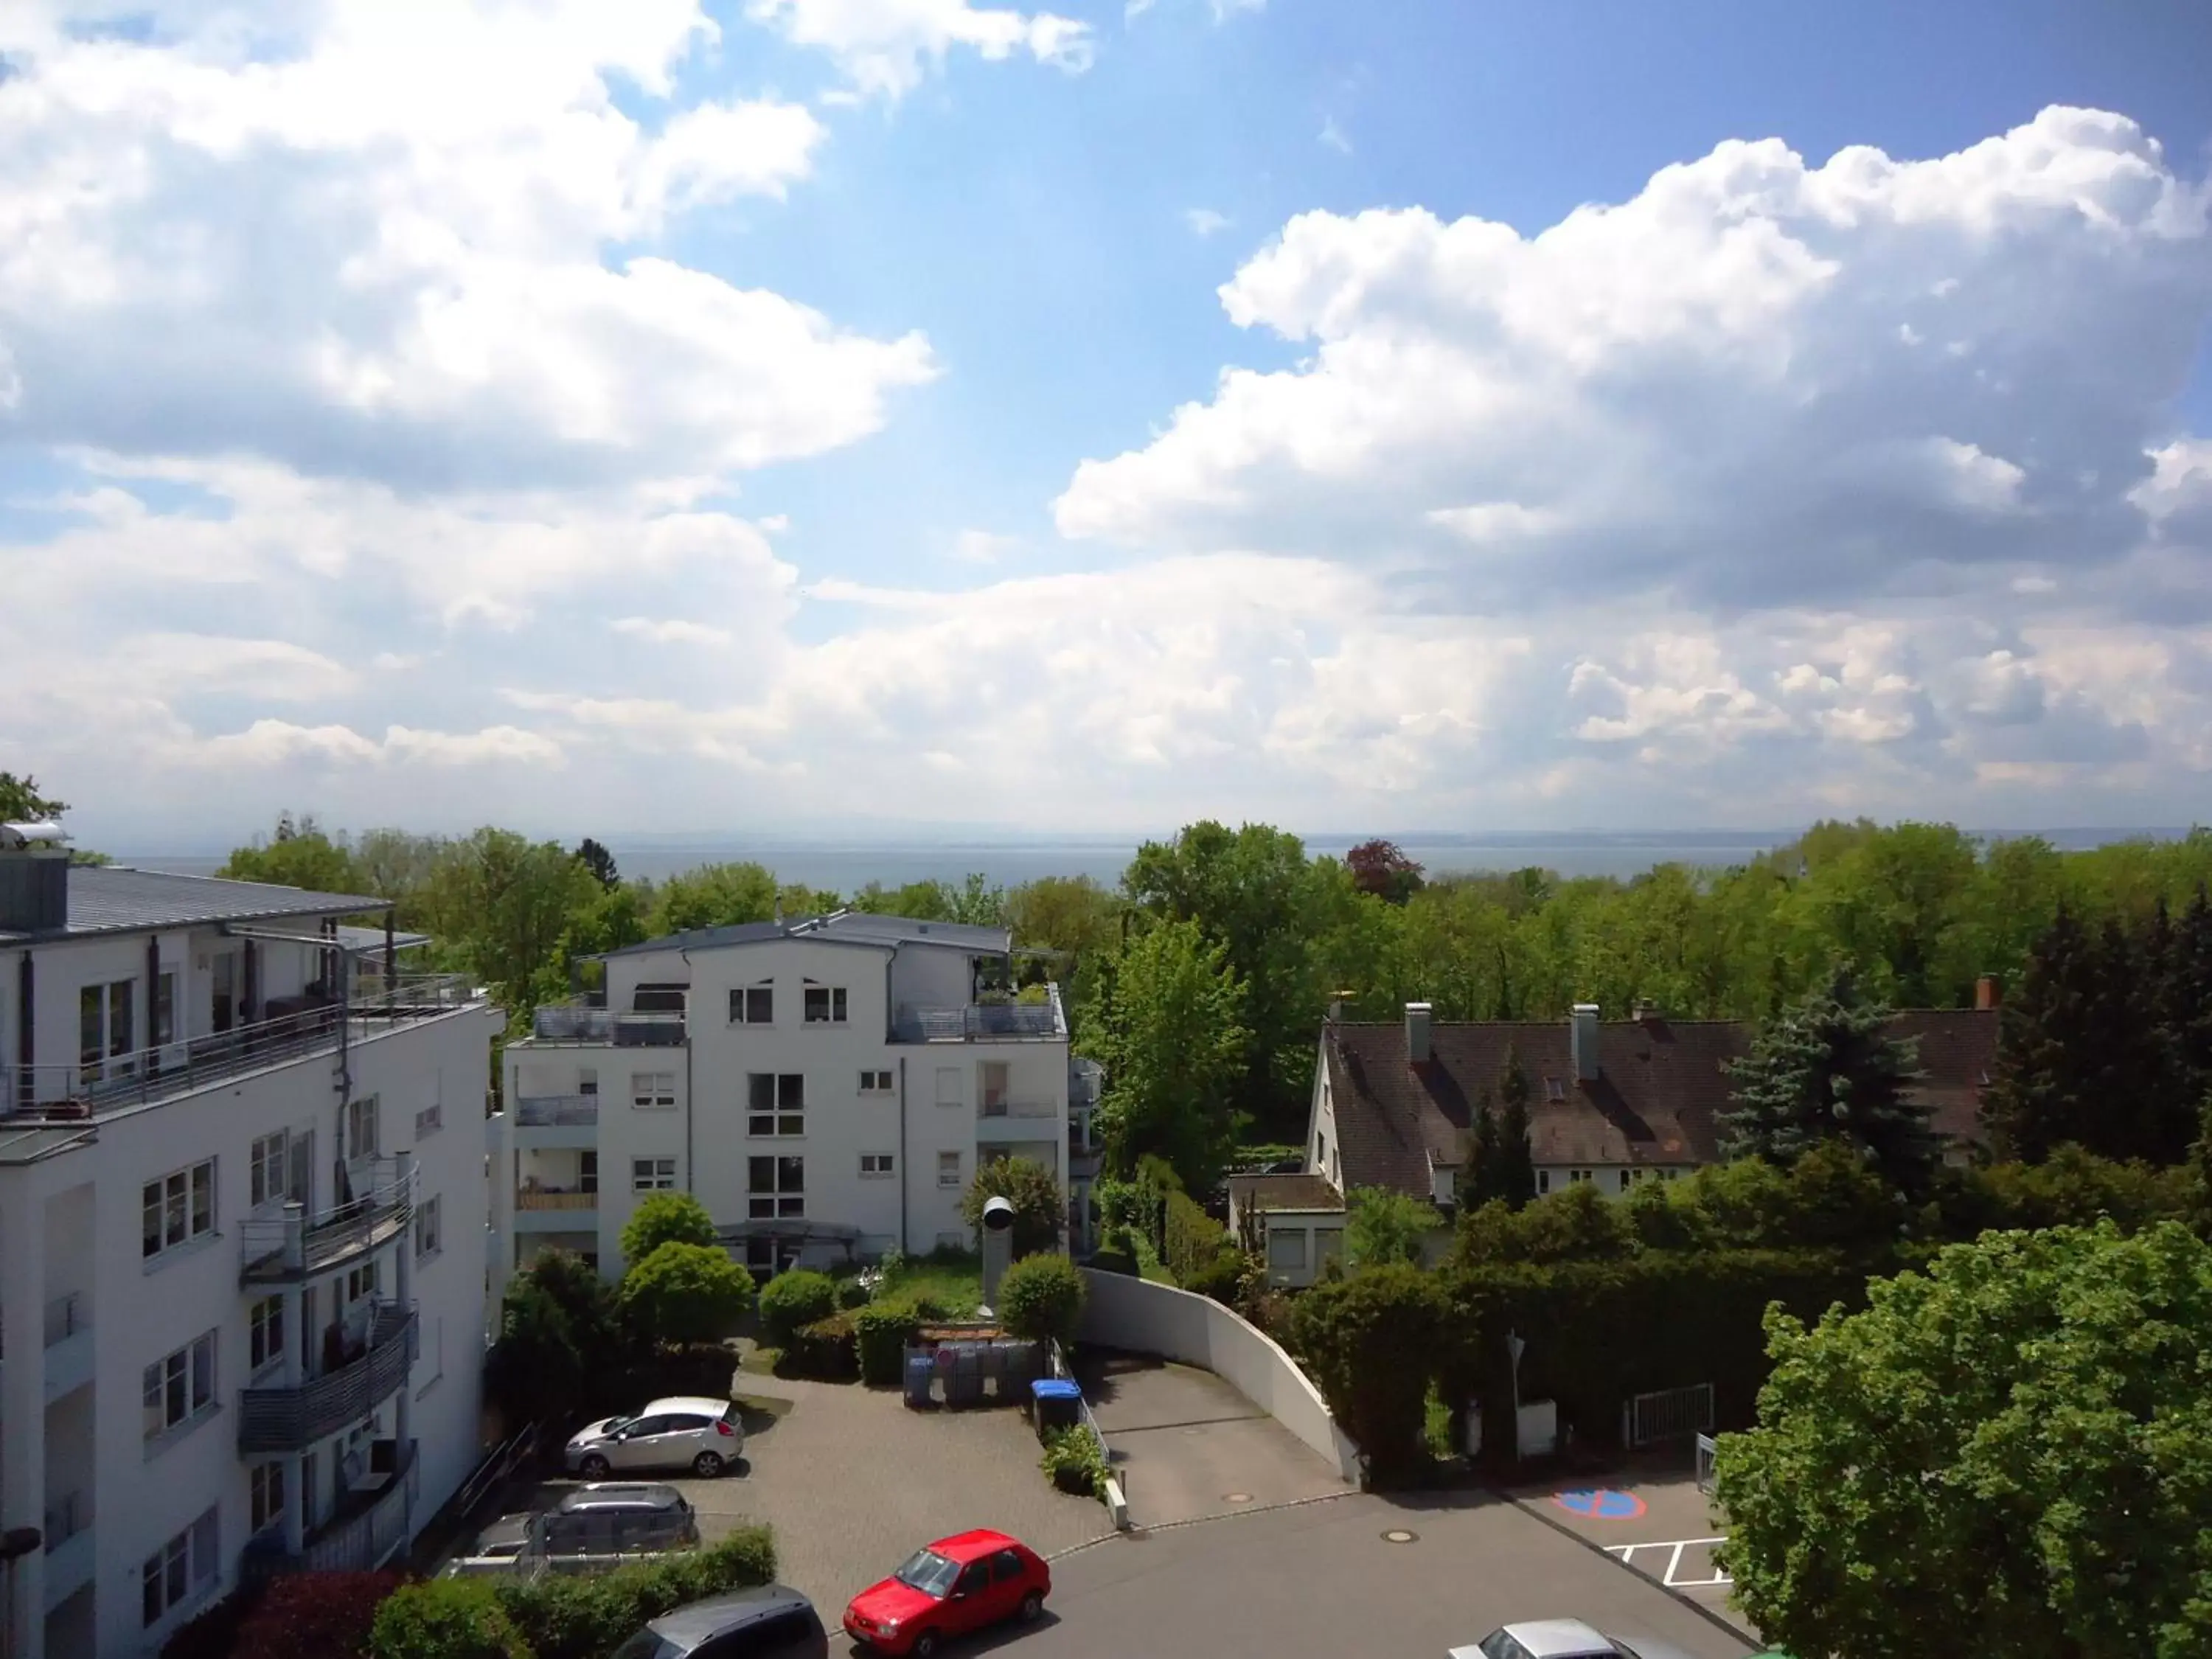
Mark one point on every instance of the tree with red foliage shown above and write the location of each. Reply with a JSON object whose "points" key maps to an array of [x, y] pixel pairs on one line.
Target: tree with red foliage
{"points": [[1379, 868], [327, 1614]]}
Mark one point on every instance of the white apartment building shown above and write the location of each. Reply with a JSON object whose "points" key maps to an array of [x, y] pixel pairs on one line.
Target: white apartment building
{"points": [[242, 1257], [824, 1086]]}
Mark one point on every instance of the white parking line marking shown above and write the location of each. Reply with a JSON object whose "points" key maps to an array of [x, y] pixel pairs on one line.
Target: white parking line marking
{"points": [[1671, 1577]]}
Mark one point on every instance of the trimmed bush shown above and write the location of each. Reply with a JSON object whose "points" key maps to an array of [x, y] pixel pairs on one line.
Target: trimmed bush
{"points": [[1042, 1296], [1191, 1238], [794, 1299], [1369, 1342], [881, 1332], [1114, 1262], [824, 1350], [851, 1294], [665, 1218], [447, 1619], [560, 1617], [688, 1293]]}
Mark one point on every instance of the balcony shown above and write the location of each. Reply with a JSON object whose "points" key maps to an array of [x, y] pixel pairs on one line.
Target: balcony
{"points": [[581, 1023], [371, 1525], [984, 1022], [284, 1248], [70, 1558], [292, 1419], [82, 1091], [1016, 1119], [556, 1111], [69, 1345]]}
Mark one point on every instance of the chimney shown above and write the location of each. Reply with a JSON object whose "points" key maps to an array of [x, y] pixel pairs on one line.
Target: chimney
{"points": [[34, 866], [1417, 1033], [1582, 1035], [1985, 991]]}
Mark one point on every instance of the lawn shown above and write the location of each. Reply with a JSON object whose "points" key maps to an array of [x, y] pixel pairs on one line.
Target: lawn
{"points": [[951, 1278]]}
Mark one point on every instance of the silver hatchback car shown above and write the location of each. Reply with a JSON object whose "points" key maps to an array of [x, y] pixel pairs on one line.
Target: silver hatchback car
{"points": [[681, 1433]]}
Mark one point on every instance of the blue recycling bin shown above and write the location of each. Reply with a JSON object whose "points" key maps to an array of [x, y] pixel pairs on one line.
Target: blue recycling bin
{"points": [[920, 1369], [1055, 1404]]}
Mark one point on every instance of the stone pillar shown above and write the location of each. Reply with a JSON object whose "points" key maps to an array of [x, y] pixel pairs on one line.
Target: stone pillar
{"points": [[23, 1404]]}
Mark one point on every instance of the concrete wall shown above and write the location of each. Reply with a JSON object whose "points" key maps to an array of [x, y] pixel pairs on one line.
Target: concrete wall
{"points": [[1141, 1317]]}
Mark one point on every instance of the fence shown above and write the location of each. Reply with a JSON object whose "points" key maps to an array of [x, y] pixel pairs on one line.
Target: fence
{"points": [[1647, 1419], [489, 1476], [1056, 1363], [1705, 1463]]}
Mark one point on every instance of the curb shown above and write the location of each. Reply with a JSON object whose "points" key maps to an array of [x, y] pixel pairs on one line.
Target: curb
{"points": [[1138, 1530], [1590, 1543]]}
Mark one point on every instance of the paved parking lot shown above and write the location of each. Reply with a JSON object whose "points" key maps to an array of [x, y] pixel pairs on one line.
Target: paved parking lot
{"points": [[1661, 1526]]}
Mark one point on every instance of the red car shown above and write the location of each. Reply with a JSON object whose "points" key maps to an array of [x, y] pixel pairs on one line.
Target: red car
{"points": [[956, 1585]]}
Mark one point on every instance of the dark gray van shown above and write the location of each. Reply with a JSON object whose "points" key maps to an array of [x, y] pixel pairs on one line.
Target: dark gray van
{"points": [[772, 1622], [607, 1517]]}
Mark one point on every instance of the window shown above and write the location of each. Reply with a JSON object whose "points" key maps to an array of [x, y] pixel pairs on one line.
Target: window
{"points": [[104, 1041], [361, 1128], [776, 1188], [587, 1081], [1624, 1179], [268, 1167], [875, 1083], [1286, 1249], [1006, 1567], [429, 1120], [265, 1331], [652, 1091], [993, 1075], [776, 1103], [177, 1209], [753, 1005], [1328, 1245], [1554, 1089], [182, 1569], [825, 1005], [180, 1386], [267, 1484], [948, 1169], [361, 1282], [875, 1164], [974, 1578], [1575, 1177], [587, 1172], [948, 1091], [653, 1175], [164, 1008], [1543, 1181], [429, 1238]]}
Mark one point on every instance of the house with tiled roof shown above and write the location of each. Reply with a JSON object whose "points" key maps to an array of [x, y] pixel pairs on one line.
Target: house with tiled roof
{"points": [[1613, 1102]]}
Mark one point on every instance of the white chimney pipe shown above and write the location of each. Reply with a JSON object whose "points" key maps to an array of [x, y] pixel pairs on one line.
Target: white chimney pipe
{"points": [[1417, 1033], [1582, 1032]]}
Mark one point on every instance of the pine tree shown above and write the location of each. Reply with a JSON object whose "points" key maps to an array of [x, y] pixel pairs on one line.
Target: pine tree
{"points": [[2037, 1099], [1516, 1160], [1825, 1070], [2187, 1011], [1479, 1176]]}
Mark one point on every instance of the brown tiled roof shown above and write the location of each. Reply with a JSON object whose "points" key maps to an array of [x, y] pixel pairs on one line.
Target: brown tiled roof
{"points": [[1283, 1192], [1661, 1088]]}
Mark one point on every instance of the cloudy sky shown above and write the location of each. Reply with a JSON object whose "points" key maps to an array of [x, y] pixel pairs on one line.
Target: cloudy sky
{"points": [[1443, 414]]}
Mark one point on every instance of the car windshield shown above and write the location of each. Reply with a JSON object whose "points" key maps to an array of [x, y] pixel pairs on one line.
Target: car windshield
{"points": [[647, 1646], [929, 1572], [616, 1424]]}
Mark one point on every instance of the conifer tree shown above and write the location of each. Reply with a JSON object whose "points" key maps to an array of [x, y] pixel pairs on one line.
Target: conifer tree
{"points": [[1479, 1176], [1516, 1160], [2035, 1102]]}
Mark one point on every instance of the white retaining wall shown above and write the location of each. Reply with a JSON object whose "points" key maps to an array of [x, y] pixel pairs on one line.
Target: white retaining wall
{"points": [[1123, 1311]]}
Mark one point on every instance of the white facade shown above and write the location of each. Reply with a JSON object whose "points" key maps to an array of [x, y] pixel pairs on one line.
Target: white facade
{"points": [[233, 1202], [837, 1075]]}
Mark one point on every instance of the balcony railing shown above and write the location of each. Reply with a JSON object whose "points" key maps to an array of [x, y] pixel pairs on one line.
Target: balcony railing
{"points": [[980, 1022], [531, 1200], [91, 1089], [572, 1022], [66, 1516], [368, 1529], [280, 1248], [1006, 1108], [66, 1316], [291, 1420], [556, 1111]]}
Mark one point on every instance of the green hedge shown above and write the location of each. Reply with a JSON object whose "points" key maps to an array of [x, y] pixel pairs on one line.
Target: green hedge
{"points": [[587, 1618], [1042, 1296], [1191, 1238], [823, 1351], [449, 1618], [881, 1332], [794, 1299]]}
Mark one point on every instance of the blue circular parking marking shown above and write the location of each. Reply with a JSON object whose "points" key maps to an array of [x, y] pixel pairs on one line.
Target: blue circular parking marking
{"points": [[1600, 1503]]}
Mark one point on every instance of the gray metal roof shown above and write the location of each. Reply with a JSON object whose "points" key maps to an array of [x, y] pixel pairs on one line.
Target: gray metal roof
{"points": [[839, 927], [110, 899]]}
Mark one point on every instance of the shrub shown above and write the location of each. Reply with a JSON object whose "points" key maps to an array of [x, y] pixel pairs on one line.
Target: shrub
{"points": [[1042, 1296], [446, 1619], [665, 1218], [323, 1614], [1114, 1262], [851, 1294], [1220, 1276], [1386, 1226], [824, 1350], [1369, 1342], [688, 1293], [793, 1299], [1040, 1211], [577, 1618], [1072, 1463], [881, 1332], [1192, 1238]]}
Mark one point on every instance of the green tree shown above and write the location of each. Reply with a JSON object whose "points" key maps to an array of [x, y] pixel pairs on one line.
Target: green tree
{"points": [[665, 1218], [1479, 1173], [22, 803], [2036, 1405], [600, 862], [298, 855], [506, 904], [1826, 1071], [535, 1368], [1516, 1158], [1040, 1208], [1384, 1226], [712, 896], [1166, 1021], [1042, 1295], [687, 1293], [1371, 1342]]}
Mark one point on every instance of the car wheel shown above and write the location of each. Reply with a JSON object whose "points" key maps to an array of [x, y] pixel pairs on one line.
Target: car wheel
{"points": [[707, 1465], [1032, 1606], [923, 1645], [594, 1467]]}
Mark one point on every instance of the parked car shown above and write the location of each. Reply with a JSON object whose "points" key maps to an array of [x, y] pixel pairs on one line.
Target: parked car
{"points": [[1561, 1638], [608, 1517], [954, 1586], [682, 1432], [771, 1622]]}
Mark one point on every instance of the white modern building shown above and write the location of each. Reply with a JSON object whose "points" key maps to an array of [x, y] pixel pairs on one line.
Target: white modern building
{"points": [[283, 1371], [825, 1086]]}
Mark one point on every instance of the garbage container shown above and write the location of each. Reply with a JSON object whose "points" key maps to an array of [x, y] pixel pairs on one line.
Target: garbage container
{"points": [[1056, 1404], [920, 1367], [963, 1384]]}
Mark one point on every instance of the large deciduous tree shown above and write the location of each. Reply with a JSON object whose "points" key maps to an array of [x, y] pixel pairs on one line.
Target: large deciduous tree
{"points": [[1382, 1226], [22, 803], [1380, 870], [686, 1294], [1166, 1021], [1828, 1071], [298, 853], [665, 1218], [1040, 1209], [2011, 1454]]}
